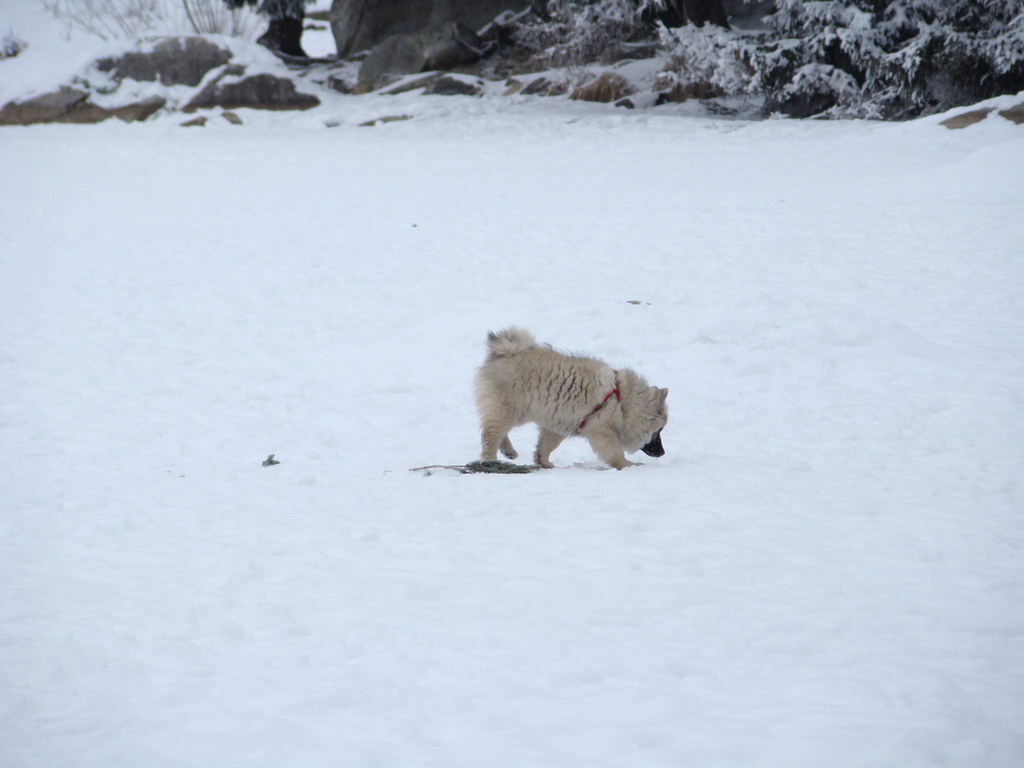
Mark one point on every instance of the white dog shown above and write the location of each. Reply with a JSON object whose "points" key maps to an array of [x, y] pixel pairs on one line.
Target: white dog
{"points": [[521, 382]]}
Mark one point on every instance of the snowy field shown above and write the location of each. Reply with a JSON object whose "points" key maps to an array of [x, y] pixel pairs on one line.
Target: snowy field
{"points": [[826, 568]]}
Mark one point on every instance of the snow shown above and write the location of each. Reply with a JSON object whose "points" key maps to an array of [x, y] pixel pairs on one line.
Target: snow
{"points": [[824, 569]]}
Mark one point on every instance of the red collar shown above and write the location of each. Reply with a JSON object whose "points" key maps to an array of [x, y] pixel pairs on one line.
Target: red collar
{"points": [[614, 393]]}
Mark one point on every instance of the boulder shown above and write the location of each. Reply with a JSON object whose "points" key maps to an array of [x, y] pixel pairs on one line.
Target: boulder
{"points": [[70, 105], [1014, 114], [361, 24], [445, 47], [172, 62], [358, 25], [455, 86], [254, 92], [175, 61], [88, 112], [48, 108], [541, 86], [965, 119]]}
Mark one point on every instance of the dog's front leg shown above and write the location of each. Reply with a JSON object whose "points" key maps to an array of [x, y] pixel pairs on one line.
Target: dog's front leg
{"points": [[547, 441], [507, 449], [608, 447]]}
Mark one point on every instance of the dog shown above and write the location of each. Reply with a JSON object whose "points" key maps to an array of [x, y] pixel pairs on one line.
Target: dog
{"points": [[520, 382]]}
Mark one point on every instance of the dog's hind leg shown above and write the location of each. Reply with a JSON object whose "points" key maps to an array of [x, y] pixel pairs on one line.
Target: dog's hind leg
{"points": [[546, 443], [606, 444], [506, 448], [494, 434]]}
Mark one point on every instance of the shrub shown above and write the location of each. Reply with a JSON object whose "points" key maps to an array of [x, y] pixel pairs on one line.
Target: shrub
{"points": [[575, 32], [890, 60], [127, 19], [708, 62], [11, 46]]}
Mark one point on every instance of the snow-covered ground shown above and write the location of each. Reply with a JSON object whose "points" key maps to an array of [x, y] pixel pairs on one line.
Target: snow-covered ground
{"points": [[826, 569]]}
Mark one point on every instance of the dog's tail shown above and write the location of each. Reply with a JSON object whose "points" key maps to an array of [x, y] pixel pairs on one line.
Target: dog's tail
{"points": [[510, 341]]}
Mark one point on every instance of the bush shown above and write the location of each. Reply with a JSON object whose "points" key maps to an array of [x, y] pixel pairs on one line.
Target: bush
{"points": [[894, 59], [128, 19], [708, 62], [574, 32], [11, 46], [889, 60]]}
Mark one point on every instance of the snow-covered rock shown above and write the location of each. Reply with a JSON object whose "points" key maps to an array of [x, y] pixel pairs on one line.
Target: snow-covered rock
{"points": [[184, 72]]}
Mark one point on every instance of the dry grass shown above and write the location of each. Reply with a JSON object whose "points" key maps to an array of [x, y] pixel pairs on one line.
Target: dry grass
{"points": [[607, 88]]}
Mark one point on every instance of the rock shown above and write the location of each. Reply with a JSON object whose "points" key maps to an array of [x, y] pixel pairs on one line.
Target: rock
{"points": [[232, 118], [254, 92], [627, 103], [400, 54], [609, 87], [140, 111], [175, 61], [1014, 114], [195, 122], [385, 119], [87, 112], [48, 108], [965, 119], [513, 87], [70, 105], [426, 82], [339, 84], [541, 86], [445, 47], [453, 86], [361, 24]]}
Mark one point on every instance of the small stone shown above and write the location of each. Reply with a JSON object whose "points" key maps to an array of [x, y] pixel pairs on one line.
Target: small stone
{"points": [[385, 119]]}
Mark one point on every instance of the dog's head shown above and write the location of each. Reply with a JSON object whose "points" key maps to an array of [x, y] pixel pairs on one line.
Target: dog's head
{"points": [[651, 419], [644, 414], [654, 447]]}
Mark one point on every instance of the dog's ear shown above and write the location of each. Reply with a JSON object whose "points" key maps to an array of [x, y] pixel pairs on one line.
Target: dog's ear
{"points": [[662, 395]]}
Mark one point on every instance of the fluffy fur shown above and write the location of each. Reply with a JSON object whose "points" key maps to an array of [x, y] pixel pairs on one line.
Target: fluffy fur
{"points": [[522, 382]]}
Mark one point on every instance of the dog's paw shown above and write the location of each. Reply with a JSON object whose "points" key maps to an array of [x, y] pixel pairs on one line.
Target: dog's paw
{"points": [[542, 464], [507, 450]]}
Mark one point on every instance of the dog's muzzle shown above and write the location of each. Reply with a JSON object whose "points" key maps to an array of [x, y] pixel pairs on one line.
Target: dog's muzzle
{"points": [[654, 447]]}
